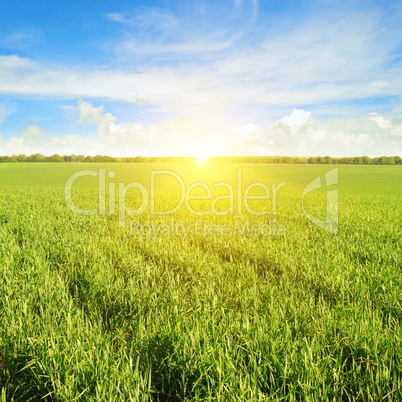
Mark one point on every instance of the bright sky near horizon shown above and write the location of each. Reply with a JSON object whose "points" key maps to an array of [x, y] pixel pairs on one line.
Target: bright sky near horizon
{"points": [[239, 77]]}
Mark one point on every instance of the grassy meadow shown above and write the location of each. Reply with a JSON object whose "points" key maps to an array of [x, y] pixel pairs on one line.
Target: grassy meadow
{"points": [[96, 308]]}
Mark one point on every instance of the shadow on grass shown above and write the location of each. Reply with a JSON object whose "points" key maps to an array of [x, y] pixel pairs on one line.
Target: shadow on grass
{"points": [[20, 379]]}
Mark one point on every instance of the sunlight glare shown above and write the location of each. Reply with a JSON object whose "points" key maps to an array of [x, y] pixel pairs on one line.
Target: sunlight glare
{"points": [[202, 158]]}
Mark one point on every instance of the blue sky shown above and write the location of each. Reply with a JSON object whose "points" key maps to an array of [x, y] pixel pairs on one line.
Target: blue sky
{"points": [[180, 78]]}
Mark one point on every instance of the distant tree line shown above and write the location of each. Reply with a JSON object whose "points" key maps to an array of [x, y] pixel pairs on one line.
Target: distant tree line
{"points": [[357, 160]]}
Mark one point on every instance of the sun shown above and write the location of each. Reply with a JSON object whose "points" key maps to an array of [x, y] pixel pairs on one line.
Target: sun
{"points": [[203, 153], [205, 150], [202, 158]]}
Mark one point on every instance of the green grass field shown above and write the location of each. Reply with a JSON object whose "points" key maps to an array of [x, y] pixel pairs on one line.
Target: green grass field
{"points": [[92, 309]]}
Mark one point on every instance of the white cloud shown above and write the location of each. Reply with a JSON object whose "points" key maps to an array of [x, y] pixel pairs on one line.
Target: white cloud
{"points": [[297, 119], [20, 39], [146, 18], [193, 29], [33, 140], [349, 60], [6, 109], [366, 135], [297, 134], [313, 60]]}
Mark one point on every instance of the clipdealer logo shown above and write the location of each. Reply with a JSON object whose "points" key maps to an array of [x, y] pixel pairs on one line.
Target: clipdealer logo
{"points": [[330, 224], [112, 198], [113, 201]]}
